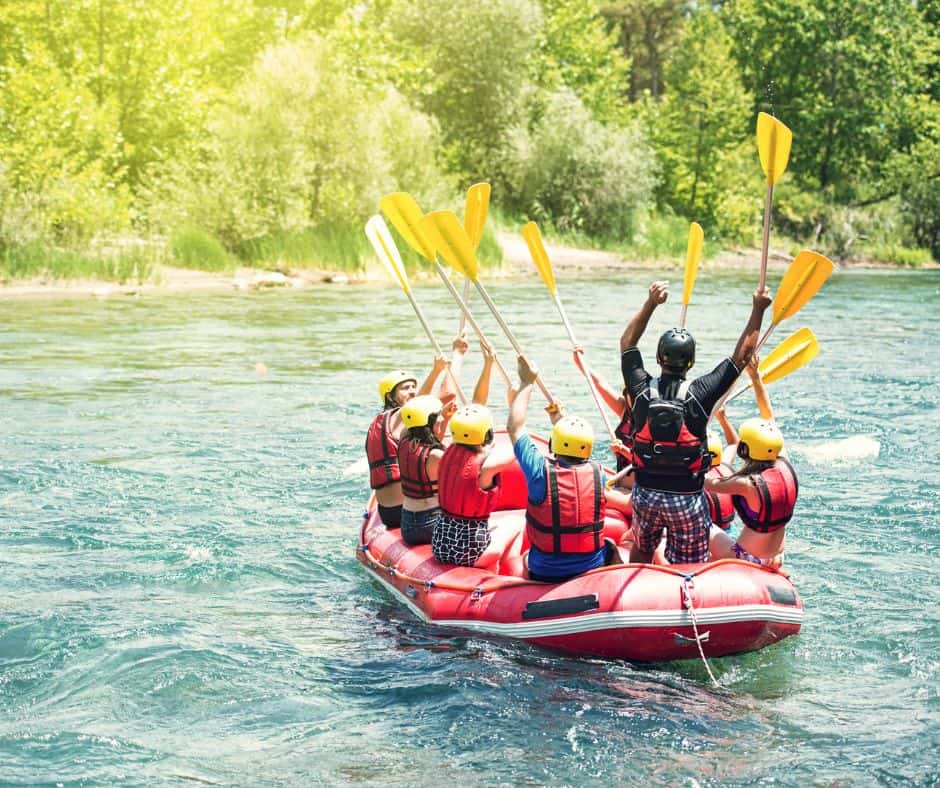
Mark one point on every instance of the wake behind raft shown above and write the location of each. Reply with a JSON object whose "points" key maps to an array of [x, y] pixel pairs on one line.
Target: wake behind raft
{"points": [[637, 612]]}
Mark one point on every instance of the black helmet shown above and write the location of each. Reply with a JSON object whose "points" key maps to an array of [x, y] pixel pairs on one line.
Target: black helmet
{"points": [[676, 351]]}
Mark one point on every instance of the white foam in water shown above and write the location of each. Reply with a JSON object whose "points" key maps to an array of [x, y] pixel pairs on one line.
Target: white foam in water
{"points": [[358, 468], [842, 452], [198, 554]]}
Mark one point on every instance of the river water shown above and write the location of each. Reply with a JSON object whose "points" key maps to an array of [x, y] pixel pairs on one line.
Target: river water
{"points": [[180, 601]]}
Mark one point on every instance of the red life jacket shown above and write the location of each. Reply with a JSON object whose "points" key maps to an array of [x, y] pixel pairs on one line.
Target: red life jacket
{"points": [[720, 506], [778, 488], [413, 459], [663, 444], [459, 489], [624, 431], [571, 517], [382, 452]]}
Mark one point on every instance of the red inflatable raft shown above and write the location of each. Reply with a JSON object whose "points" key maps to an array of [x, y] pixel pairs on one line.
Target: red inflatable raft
{"points": [[640, 612]]}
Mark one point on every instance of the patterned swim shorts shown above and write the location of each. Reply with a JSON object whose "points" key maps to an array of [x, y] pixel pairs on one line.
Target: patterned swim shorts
{"points": [[685, 518], [459, 541]]}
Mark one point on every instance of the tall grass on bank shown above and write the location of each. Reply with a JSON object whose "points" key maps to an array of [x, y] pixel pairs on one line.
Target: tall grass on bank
{"points": [[35, 260]]}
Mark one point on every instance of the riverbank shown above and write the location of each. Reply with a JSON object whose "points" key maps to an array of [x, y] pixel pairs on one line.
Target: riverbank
{"points": [[168, 280]]}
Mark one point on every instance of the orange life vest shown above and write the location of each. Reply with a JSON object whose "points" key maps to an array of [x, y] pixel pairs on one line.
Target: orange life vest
{"points": [[413, 460], [382, 452], [459, 490], [571, 517], [778, 488]]}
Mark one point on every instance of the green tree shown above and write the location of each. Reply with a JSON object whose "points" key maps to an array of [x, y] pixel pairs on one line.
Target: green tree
{"points": [[702, 133], [840, 73]]}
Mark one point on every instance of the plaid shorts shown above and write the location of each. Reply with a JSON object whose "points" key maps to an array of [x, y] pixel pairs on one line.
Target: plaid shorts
{"points": [[685, 518]]}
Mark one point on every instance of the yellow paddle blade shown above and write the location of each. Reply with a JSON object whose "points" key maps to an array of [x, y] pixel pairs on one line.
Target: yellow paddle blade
{"points": [[447, 235], [381, 240], [693, 256], [474, 215], [795, 351], [405, 215], [773, 145], [533, 239], [804, 277]]}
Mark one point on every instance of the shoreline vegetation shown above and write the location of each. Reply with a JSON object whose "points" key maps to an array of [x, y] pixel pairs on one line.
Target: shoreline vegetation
{"points": [[508, 256], [248, 142]]}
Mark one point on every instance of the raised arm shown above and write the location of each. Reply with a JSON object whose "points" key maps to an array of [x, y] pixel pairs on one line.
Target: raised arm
{"points": [[460, 348], [611, 398], [658, 293], [731, 434], [747, 342], [440, 364], [760, 390], [520, 404], [482, 391]]}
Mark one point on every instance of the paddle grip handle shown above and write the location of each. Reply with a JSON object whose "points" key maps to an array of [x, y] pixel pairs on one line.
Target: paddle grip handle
{"points": [[473, 323], [587, 372], [437, 347], [765, 243], [509, 335]]}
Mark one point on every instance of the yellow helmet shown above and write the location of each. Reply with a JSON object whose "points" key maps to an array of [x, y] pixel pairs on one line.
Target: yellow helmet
{"points": [[572, 437], [416, 412], [714, 448], [391, 380], [759, 440], [472, 425]]}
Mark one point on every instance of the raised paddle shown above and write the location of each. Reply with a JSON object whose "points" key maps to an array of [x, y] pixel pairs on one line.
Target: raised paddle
{"points": [[450, 239], [533, 239], [403, 212], [795, 351], [773, 147], [474, 218], [804, 277], [693, 255], [381, 240], [806, 274]]}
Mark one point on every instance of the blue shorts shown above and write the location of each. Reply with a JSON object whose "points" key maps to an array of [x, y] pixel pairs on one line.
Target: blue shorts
{"points": [[684, 517], [418, 527]]}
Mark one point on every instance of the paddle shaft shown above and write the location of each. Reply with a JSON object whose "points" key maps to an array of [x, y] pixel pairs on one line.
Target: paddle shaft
{"points": [[586, 372], [765, 243], [685, 308], [509, 335], [463, 314], [473, 323], [437, 347]]}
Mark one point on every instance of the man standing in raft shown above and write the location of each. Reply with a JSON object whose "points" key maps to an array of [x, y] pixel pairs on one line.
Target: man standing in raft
{"points": [[670, 416], [395, 389], [567, 499], [764, 490]]}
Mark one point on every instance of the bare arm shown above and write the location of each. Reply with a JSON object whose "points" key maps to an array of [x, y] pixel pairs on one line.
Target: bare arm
{"points": [[760, 390], [520, 404], [459, 346], [731, 435], [658, 293], [747, 342], [440, 364], [496, 461], [611, 398], [482, 391], [735, 485]]}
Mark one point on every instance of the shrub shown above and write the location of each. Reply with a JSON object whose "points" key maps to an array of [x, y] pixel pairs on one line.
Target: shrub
{"points": [[194, 248]]}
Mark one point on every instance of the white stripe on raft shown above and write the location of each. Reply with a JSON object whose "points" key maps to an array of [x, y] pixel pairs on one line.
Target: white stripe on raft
{"points": [[590, 622]]}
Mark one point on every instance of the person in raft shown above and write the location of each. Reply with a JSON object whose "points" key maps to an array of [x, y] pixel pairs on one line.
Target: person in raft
{"points": [[567, 498], [670, 416], [620, 405], [468, 488], [763, 491], [419, 454], [720, 506], [385, 431]]}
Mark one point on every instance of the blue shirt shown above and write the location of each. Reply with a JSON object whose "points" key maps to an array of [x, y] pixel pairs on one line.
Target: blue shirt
{"points": [[532, 463]]}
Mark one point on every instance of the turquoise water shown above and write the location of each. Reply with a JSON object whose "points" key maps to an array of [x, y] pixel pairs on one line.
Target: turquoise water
{"points": [[179, 597]]}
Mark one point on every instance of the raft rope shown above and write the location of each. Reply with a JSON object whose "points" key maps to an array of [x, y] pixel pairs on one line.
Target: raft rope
{"points": [[687, 585]]}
